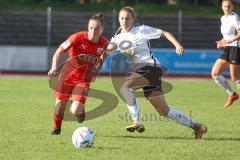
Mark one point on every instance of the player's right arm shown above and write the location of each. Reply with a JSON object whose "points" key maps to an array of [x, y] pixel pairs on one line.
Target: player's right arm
{"points": [[61, 49], [53, 71]]}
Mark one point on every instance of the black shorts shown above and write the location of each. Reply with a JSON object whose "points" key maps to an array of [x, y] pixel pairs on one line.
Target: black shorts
{"points": [[153, 75], [231, 54]]}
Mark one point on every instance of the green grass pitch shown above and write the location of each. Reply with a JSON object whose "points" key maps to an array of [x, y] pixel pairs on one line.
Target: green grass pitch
{"points": [[26, 108]]}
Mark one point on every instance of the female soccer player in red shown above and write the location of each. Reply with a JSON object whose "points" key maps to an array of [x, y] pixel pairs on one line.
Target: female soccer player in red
{"points": [[85, 51], [230, 58]]}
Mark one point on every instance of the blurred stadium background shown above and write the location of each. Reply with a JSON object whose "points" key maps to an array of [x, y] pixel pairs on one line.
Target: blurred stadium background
{"points": [[30, 31]]}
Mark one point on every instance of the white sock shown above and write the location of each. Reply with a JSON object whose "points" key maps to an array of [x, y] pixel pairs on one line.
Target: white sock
{"points": [[222, 82], [181, 118], [132, 104], [134, 111], [238, 84]]}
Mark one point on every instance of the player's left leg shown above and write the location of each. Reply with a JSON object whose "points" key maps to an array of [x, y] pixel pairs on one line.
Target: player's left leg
{"points": [[77, 109], [79, 97], [219, 67], [235, 74], [157, 99], [234, 66], [235, 77]]}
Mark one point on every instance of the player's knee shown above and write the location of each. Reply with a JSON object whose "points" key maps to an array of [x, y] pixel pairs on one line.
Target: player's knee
{"points": [[148, 91], [163, 113], [122, 89], [216, 79], [214, 75], [80, 117], [125, 90], [215, 72]]}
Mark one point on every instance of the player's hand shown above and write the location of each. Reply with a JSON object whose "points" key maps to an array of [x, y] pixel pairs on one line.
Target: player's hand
{"points": [[53, 72], [99, 64], [179, 50], [220, 44]]}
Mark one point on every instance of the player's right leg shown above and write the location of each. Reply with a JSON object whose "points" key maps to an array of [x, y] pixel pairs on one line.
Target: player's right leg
{"points": [[134, 81], [135, 115], [58, 116], [62, 95], [220, 66], [133, 109]]}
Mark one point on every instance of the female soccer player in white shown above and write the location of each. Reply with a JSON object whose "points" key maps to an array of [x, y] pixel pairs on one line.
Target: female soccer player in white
{"points": [[133, 41], [230, 57]]}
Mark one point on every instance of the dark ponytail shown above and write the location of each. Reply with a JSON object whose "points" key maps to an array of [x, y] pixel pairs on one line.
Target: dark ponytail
{"points": [[99, 17]]}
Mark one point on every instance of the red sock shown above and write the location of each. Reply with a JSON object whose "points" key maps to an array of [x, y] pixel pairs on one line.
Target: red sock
{"points": [[57, 120]]}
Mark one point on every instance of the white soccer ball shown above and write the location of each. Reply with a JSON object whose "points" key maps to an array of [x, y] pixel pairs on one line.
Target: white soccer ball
{"points": [[83, 137]]}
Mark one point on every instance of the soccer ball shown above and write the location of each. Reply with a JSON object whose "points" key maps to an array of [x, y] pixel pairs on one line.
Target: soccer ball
{"points": [[83, 137]]}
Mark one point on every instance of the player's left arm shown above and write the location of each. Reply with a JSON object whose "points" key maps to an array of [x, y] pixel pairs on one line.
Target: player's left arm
{"points": [[102, 57], [236, 24], [235, 38], [173, 40]]}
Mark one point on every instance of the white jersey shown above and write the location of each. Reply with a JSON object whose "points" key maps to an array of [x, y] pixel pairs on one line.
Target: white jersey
{"points": [[229, 27], [140, 52]]}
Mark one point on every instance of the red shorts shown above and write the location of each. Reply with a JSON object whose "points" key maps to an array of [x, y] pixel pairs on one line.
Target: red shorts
{"points": [[78, 91]]}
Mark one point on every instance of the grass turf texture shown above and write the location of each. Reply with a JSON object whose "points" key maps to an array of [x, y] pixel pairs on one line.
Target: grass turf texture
{"points": [[26, 108]]}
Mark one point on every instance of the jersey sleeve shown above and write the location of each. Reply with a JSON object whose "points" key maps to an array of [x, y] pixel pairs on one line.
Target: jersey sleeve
{"points": [[69, 42], [150, 32], [236, 22], [113, 45]]}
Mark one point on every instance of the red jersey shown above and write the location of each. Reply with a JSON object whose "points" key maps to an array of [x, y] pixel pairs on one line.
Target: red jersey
{"points": [[79, 46]]}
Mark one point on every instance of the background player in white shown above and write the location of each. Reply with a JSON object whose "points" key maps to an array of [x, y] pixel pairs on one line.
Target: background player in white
{"points": [[133, 41], [230, 58]]}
